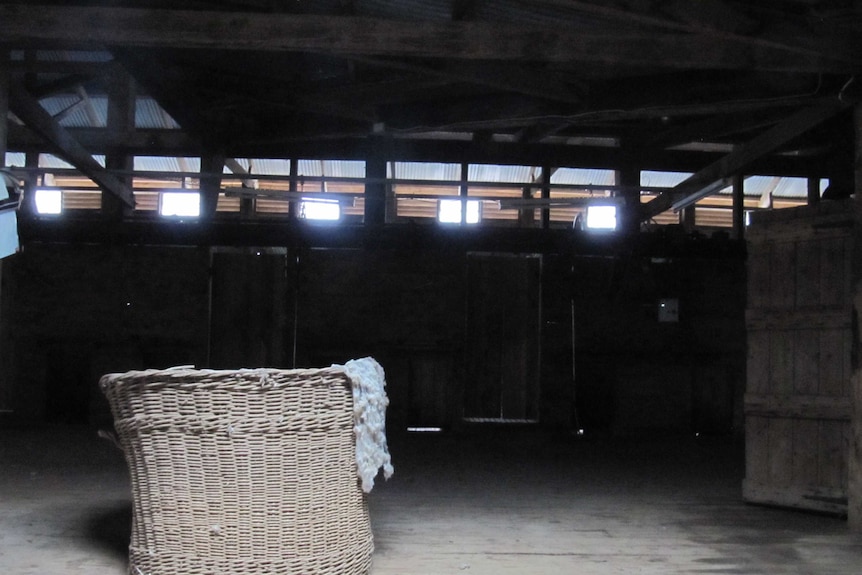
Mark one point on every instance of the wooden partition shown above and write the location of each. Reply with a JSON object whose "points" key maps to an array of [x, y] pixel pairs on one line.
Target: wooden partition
{"points": [[800, 345]]}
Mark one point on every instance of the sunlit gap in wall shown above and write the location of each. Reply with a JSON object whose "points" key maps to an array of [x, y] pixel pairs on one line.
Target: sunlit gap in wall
{"points": [[425, 429], [602, 217], [449, 211], [49, 201], [326, 210], [180, 204]]}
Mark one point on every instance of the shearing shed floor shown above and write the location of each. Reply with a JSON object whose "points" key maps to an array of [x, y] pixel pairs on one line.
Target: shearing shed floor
{"points": [[480, 502]]}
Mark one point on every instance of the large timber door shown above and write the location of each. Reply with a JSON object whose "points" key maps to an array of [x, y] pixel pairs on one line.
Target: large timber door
{"points": [[248, 309], [800, 340], [502, 337]]}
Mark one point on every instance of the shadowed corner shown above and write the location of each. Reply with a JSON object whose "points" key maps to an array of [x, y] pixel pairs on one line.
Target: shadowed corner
{"points": [[110, 528]]}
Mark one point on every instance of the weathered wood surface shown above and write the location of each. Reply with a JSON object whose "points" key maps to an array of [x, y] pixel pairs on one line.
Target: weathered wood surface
{"points": [[800, 347], [499, 504], [854, 511], [609, 44]]}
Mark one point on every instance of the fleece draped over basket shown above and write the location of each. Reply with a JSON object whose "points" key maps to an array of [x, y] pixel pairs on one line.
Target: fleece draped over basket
{"points": [[369, 416]]}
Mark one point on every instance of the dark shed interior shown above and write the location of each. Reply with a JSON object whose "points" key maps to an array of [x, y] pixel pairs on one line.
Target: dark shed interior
{"points": [[678, 392]]}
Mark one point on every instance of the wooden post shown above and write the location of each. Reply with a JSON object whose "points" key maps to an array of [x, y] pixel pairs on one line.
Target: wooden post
{"points": [[375, 188], [5, 392], [294, 204], [738, 207], [629, 178], [31, 160], [212, 165], [854, 462], [464, 190], [4, 106], [546, 195], [121, 123], [813, 191]]}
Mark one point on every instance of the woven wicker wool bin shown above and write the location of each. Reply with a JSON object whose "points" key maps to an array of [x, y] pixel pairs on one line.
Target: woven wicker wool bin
{"points": [[241, 472]]}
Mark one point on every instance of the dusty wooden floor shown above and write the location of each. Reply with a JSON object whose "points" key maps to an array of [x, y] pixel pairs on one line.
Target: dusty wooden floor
{"points": [[491, 503]]}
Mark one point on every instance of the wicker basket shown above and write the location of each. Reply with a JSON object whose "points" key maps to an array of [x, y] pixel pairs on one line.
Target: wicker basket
{"points": [[241, 472]]}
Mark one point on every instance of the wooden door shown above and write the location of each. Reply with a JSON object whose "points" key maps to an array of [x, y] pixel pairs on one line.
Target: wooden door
{"points": [[800, 338], [502, 337], [248, 309]]}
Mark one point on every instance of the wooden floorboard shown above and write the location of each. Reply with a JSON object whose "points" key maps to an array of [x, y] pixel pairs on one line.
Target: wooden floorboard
{"points": [[485, 501]]}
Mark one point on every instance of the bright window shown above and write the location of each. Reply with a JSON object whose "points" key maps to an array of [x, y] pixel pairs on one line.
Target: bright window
{"points": [[49, 201], [327, 210], [449, 211], [602, 217], [180, 204]]}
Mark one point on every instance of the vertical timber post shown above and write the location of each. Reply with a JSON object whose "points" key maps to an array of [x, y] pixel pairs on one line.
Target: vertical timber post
{"points": [[4, 126], [375, 185], [854, 460], [738, 207], [121, 123], [463, 190], [546, 195], [629, 178], [212, 166], [4, 105]]}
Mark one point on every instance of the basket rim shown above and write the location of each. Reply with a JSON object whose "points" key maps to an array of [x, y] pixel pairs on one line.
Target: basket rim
{"points": [[182, 376]]}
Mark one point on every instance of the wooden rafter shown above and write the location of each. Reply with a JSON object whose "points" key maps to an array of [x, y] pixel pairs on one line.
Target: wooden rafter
{"points": [[511, 77], [707, 179], [347, 35], [717, 20], [34, 115]]}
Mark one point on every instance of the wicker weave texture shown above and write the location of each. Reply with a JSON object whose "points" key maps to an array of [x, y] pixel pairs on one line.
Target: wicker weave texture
{"points": [[241, 472]]}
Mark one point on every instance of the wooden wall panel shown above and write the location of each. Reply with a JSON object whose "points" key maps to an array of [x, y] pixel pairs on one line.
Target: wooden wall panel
{"points": [[800, 340], [781, 363], [782, 276], [806, 363], [758, 362]]}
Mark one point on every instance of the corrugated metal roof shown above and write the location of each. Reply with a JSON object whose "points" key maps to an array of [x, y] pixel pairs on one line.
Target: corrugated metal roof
{"points": [[167, 164], [507, 174], [261, 166], [16, 159], [149, 115], [52, 161], [653, 179], [779, 187], [80, 117], [583, 177], [754, 186], [423, 171]]}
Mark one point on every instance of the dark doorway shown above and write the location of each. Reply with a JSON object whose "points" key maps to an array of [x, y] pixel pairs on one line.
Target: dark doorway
{"points": [[502, 337]]}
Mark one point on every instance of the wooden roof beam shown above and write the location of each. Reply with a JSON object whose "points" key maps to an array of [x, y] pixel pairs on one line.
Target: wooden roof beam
{"points": [[37, 118], [713, 177], [465, 40]]}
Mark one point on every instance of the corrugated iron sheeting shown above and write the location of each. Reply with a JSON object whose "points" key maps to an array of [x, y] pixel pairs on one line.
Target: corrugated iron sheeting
{"points": [[167, 164], [782, 186], [507, 174], [583, 177], [423, 171], [15, 159], [79, 117], [149, 115]]}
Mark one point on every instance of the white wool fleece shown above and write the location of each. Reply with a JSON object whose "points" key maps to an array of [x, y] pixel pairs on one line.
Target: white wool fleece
{"points": [[369, 418]]}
